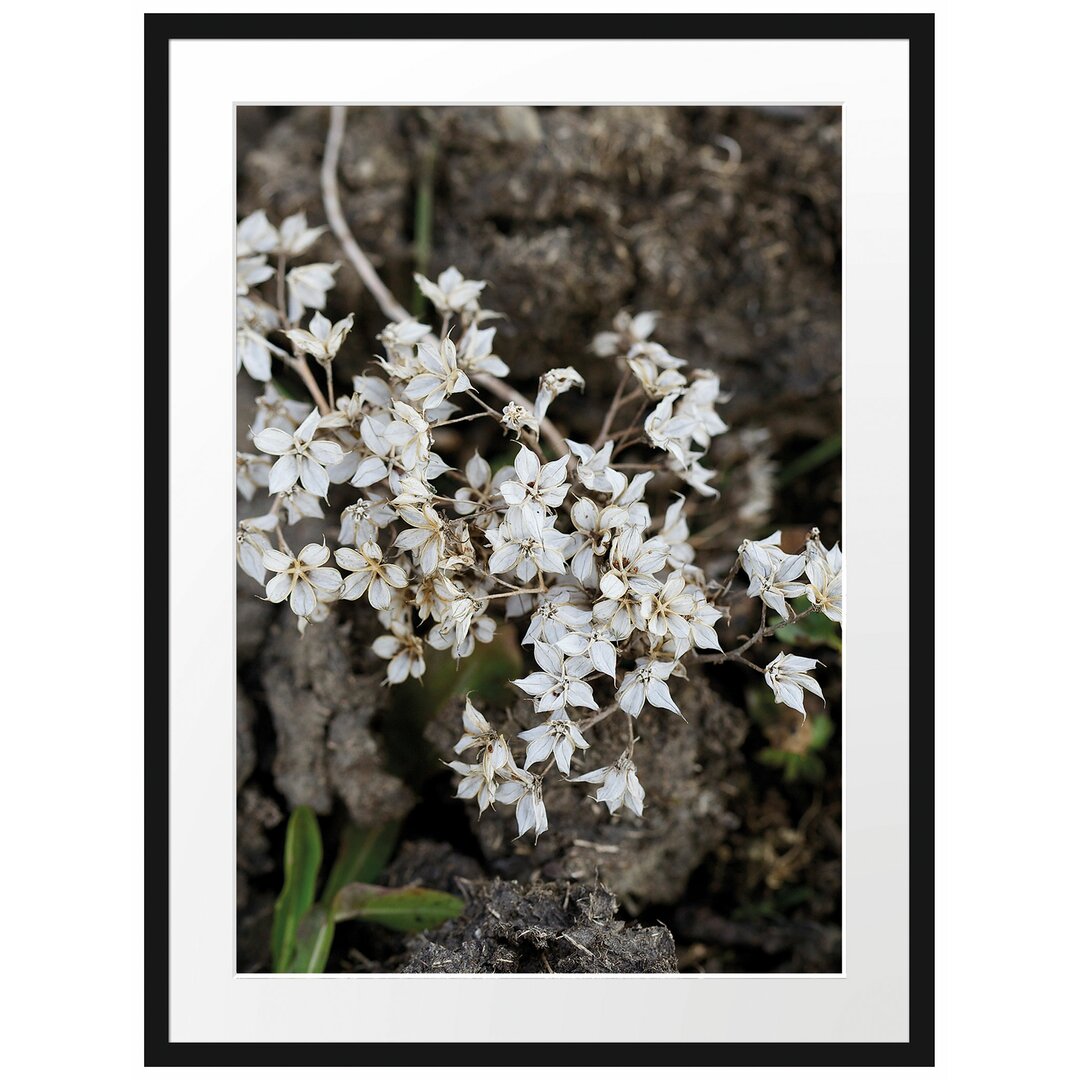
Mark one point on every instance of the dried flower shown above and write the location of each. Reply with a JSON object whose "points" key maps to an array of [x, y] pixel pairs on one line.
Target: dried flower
{"points": [[300, 457], [301, 578], [598, 574], [619, 786], [786, 677], [322, 339]]}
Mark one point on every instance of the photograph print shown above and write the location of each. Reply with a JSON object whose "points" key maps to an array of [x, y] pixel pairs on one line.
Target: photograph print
{"points": [[539, 586]]}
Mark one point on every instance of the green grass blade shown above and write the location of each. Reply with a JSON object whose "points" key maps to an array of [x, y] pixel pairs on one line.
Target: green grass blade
{"points": [[303, 857], [816, 456], [408, 910], [314, 937], [361, 857], [423, 221]]}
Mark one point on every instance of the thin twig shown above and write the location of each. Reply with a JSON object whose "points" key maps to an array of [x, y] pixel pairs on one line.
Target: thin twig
{"points": [[459, 419], [369, 276], [282, 307], [729, 580], [509, 394], [493, 413], [332, 203], [299, 365], [616, 403], [516, 592], [711, 532], [602, 715], [741, 659], [298, 362], [762, 632], [329, 369]]}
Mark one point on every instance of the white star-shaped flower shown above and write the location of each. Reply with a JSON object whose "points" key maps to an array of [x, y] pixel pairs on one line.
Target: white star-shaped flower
{"points": [[452, 293], [439, 378], [254, 353], [322, 339], [526, 544], [559, 737], [825, 572], [255, 235], [252, 473], [780, 582], [300, 457], [308, 286], [593, 465], [786, 677], [427, 537], [250, 272], [629, 330], [552, 384], [404, 651], [369, 573], [561, 683], [646, 683], [302, 579], [294, 235], [474, 352], [252, 545], [542, 486], [657, 382], [619, 786], [526, 790], [668, 432], [632, 563]]}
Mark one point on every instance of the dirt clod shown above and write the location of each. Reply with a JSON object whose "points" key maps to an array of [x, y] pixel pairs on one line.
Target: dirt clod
{"points": [[561, 928], [322, 710]]}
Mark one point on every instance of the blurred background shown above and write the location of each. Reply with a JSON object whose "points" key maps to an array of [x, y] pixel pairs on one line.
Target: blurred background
{"points": [[725, 221]]}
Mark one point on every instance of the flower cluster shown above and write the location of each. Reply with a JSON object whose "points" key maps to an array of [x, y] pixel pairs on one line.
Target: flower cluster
{"points": [[565, 540]]}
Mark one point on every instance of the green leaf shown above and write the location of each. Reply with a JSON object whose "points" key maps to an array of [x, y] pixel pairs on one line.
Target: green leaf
{"points": [[816, 456], [423, 216], [812, 629], [408, 910], [314, 937], [303, 857], [792, 896], [362, 855], [822, 732], [774, 757], [809, 768], [761, 705]]}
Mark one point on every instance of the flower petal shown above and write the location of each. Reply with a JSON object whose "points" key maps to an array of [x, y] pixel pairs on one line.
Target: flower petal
{"points": [[302, 598], [379, 594], [284, 474], [325, 579], [276, 561], [278, 587], [314, 554], [325, 452], [314, 477], [273, 441]]}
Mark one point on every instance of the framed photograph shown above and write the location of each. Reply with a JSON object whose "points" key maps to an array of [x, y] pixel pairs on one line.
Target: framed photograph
{"points": [[516, 694]]}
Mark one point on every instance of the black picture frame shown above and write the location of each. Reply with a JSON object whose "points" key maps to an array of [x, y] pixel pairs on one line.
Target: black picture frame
{"points": [[918, 31]]}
